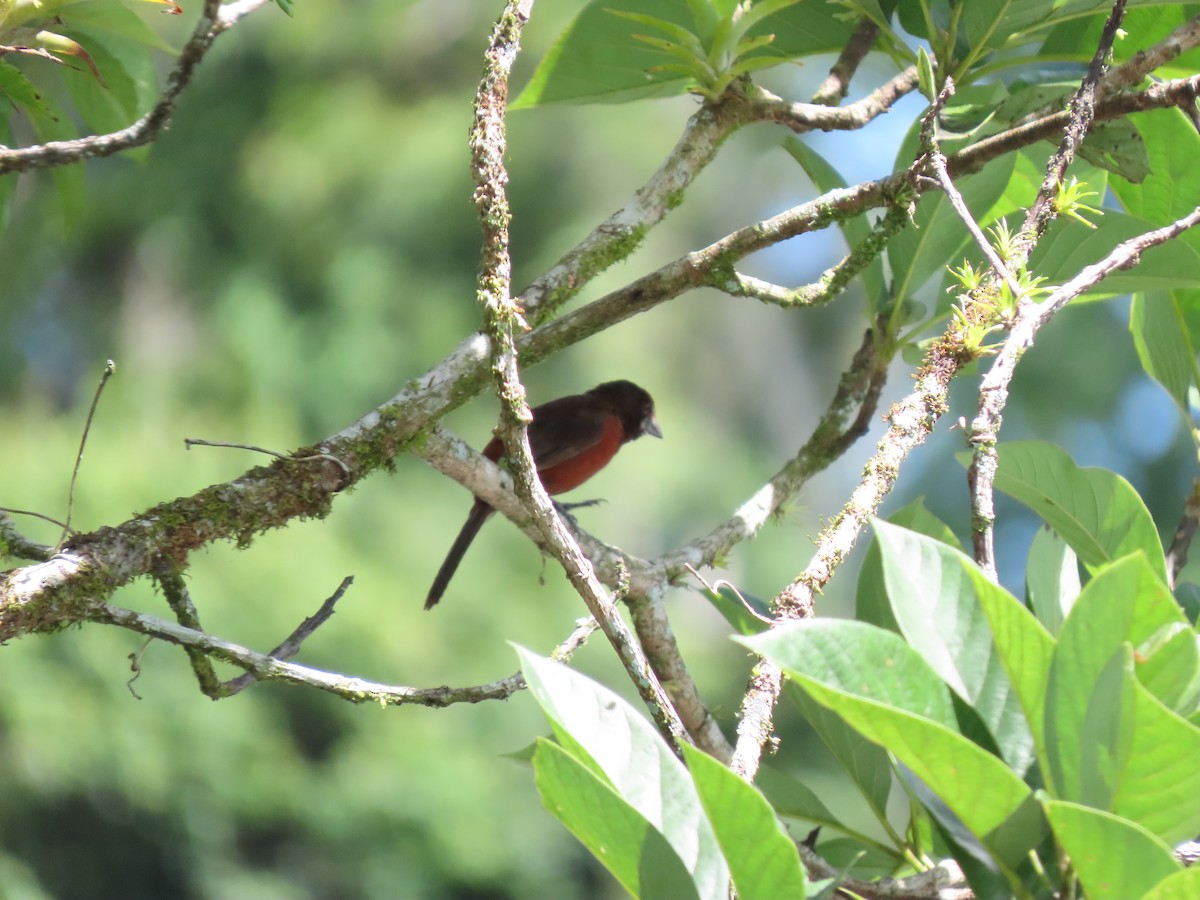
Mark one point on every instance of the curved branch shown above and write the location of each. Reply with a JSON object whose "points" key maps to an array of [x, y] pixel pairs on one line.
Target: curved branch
{"points": [[356, 690], [214, 19]]}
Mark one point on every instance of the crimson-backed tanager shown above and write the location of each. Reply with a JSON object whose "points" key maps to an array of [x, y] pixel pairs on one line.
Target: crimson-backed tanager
{"points": [[572, 439]]}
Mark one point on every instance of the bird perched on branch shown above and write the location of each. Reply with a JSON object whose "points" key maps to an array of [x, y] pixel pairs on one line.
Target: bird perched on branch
{"points": [[572, 439]]}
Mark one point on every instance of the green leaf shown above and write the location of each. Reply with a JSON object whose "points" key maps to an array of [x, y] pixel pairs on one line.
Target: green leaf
{"points": [[871, 599], [640, 767], [117, 20], [596, 60], [1161, 338], [1114, 858], [114, 104], [884, 690], [616, 834], [1111, 742], [793, 799], [762, 857], [1069, 246], [925, 79], [865, 763], [1089, 717], [19, 90], [1183, 885], [1051, 578], [861, 659], [1161, 781], [936, 592], [1117, 147], [1173, 145], [1096, 511]]}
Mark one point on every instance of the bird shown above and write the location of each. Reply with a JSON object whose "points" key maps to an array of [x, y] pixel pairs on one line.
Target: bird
{"points": [[572, 438]]}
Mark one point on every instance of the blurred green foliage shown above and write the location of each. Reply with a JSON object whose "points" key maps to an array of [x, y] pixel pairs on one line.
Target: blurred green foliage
{"points": [[296, 247]]}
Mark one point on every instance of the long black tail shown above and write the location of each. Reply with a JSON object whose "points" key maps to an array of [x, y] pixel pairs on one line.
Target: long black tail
{"points": [[479, 514]]}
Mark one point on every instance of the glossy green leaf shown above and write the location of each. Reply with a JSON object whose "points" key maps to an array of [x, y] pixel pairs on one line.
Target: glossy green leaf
{"points": [[637, 855], [935, 593], [115, 103], [1114, 858], [1173, 145], [861, 659], [115, 19], [1096, 511], [1089, 719], [884, 690], [636, 761], [763, 861]]}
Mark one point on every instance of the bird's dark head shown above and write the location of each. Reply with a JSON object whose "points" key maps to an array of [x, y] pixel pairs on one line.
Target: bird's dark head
{"points": [[633, 405]]}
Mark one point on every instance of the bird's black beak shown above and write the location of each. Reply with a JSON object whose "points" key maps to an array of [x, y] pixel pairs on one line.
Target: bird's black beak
{"points": [[650, 427]]}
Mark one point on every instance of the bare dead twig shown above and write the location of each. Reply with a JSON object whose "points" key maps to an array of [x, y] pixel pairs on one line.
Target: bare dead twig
{"points": [[15, 544], [291, 644], [109, 368], [189, 443]]}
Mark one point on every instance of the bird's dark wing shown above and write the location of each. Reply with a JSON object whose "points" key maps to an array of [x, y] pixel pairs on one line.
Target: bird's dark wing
{"points": [[564, 428]]}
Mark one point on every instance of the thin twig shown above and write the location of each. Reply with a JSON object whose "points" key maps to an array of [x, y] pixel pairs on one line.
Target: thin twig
{"points": [[109, 368], [36, 515], [291, 645], [197, 442], [715, 588], [833, 280], [937, 161], [614, 239]]}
